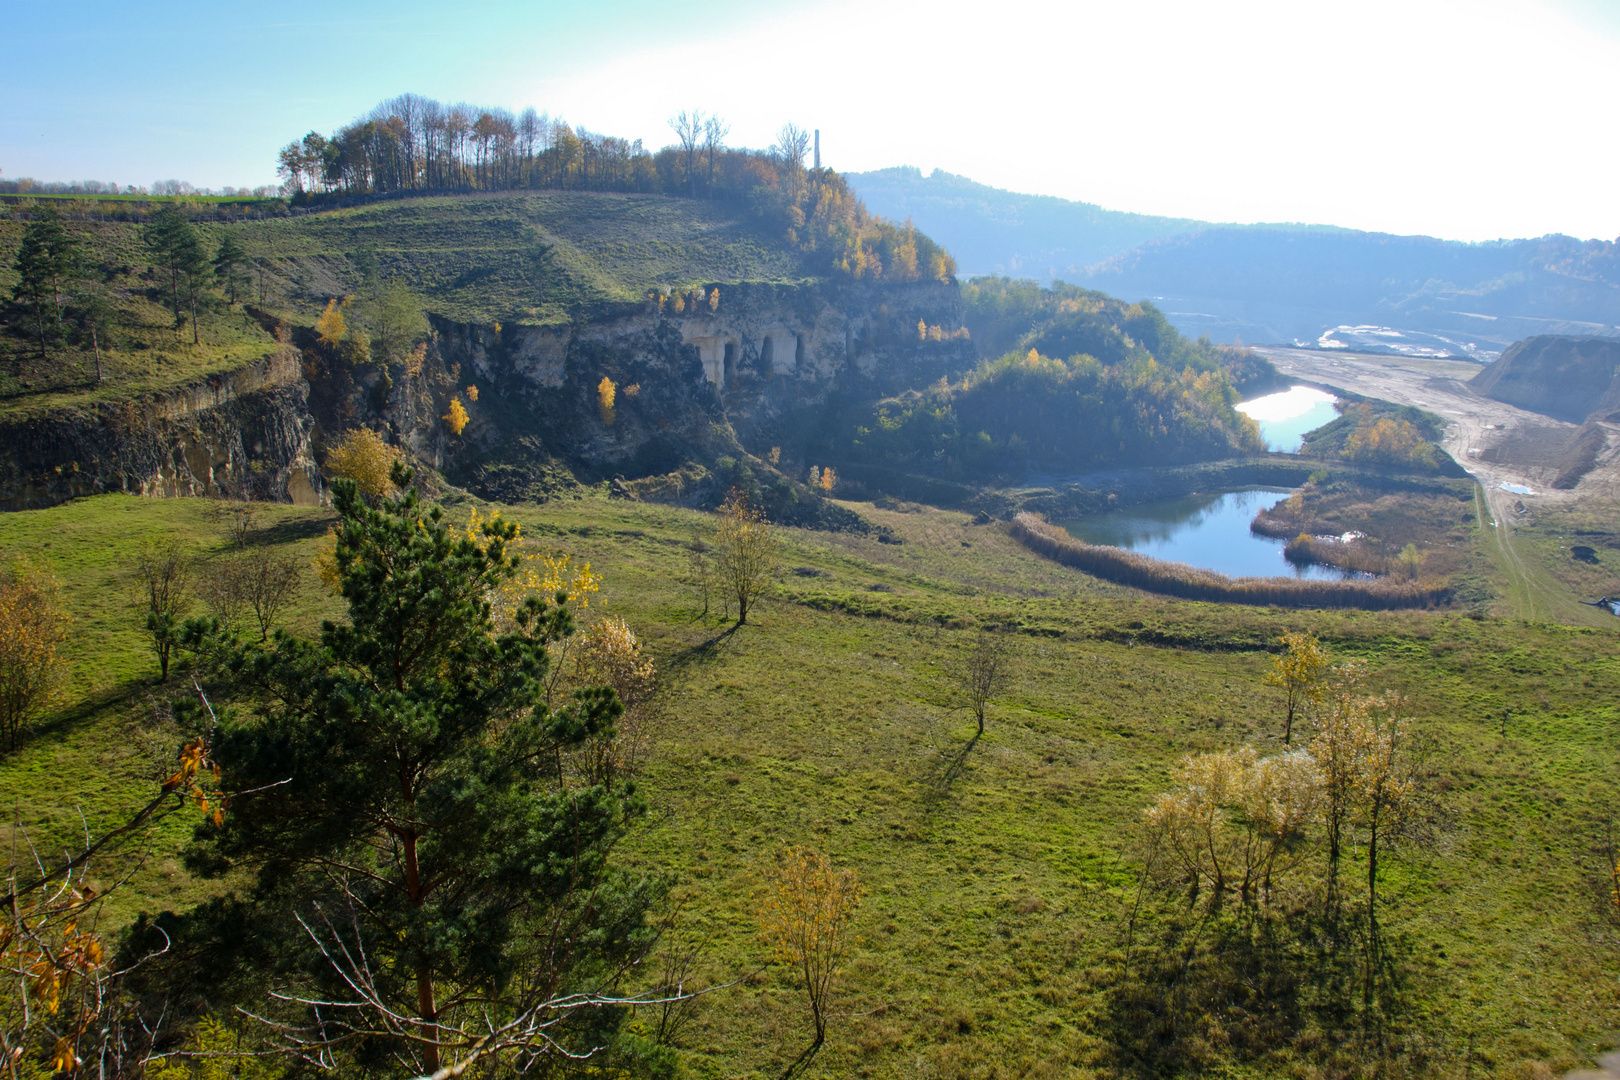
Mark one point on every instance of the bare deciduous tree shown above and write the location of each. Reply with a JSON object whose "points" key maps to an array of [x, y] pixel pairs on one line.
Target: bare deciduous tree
{"points": [[261, 582], [714, 132], [235, 518], [164, 581], [981, 671], [792, 143], [688, 125]]}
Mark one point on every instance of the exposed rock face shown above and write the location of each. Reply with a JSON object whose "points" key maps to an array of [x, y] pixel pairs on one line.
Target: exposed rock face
{"points": [[749, 372], [743, 374], [245, 435], [1568, 378]]}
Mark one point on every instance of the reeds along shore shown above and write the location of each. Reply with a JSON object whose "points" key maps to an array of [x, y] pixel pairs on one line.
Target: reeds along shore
{"points": [[1190, 583], [1305, 549]]}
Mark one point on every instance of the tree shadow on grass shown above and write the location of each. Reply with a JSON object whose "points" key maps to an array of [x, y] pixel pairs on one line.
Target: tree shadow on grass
{"points": [[799, 1065], [703, 653], [1203, 990], [64, 722], [294, 530], [942, 774]]}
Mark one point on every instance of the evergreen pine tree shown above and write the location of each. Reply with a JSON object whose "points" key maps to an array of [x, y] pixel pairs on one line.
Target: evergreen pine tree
{"points": [[47, 262], [411, 804]]}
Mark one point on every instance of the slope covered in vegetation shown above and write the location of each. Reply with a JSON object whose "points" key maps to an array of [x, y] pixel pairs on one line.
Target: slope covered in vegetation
{"points": [[1082, 379], [1013, 923]]}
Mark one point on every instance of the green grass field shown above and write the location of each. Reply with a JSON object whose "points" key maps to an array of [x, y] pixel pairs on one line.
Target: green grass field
{"points": [[1000, 875]]}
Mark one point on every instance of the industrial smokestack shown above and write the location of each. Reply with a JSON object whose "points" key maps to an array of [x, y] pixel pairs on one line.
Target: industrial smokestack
{"points": [[818, 148]]}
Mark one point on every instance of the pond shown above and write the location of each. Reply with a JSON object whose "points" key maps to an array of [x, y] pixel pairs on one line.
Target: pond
{"points": [[1209, 530], [1284, 418]]}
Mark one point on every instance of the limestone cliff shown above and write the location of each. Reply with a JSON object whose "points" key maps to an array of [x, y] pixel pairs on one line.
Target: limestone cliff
{"points": [[243, 435], [751, 371], [742, 368]]}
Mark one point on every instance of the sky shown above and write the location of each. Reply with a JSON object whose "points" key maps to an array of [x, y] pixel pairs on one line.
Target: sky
{"points": [[1464, 119]]}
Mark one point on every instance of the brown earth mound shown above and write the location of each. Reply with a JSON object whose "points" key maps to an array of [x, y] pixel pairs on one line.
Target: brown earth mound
{"points": [[1567, 378]]}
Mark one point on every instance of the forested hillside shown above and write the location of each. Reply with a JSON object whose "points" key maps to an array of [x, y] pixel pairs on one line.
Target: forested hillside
{"points": [[1072, 379]]}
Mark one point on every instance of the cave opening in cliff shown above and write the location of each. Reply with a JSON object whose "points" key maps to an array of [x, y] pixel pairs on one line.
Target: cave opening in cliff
{"points": [[729, 365], [767, 354], [798, 351]]}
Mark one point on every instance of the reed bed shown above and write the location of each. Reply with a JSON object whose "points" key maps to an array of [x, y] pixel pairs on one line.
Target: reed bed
{"points": [[1191, 583]]}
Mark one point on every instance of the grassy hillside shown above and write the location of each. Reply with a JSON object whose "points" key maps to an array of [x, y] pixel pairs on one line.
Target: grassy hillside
{"points": [[540, 257], [532, 257], [1003, 933], [146, 353]]}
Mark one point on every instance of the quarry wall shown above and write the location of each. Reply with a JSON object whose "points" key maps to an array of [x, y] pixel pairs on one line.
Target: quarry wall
{"points": [[735, 372]]}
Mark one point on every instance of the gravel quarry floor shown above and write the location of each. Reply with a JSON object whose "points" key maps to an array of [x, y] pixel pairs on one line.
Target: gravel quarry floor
{"points": [[1497, 443]]}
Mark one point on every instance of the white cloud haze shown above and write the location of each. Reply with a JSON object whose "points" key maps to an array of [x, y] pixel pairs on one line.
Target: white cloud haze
{"points": [[1469, 120]]}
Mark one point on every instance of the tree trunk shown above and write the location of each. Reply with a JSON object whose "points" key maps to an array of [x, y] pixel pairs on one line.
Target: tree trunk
{"points": [[426, 1009], [195, 339], [1372, 872], [95, 343]]}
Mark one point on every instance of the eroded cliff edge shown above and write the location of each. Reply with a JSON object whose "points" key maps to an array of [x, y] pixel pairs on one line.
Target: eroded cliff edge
{"points": [[740, 370], [245, 434]]}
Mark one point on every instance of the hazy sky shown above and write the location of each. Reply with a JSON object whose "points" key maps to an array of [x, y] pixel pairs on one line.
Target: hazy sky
{"points": [[1468, 119]]}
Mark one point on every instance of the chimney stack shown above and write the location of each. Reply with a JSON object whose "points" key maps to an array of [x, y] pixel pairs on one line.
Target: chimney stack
{"points": [[818, 148]]}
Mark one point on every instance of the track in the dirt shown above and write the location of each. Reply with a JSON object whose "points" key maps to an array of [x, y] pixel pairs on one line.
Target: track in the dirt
{"points": [[1438, 386]]}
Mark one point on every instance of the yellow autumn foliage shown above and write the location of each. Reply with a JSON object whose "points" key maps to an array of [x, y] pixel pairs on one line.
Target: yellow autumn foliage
{"points": [[331, 326], [1298, 671], [362, 456], [538, 574], [456, 419], [805, 909], [33, 627]]}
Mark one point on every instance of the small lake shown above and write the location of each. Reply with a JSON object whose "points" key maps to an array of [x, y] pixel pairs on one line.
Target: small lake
{"points": [[1285, 418], [1209, 531]]}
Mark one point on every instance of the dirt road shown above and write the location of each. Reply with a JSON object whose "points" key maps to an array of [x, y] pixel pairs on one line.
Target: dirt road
{"points": [[1497, 443]]}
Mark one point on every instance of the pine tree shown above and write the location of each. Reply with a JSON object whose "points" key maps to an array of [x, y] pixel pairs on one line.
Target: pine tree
{"points": [[170, 237], [47, 261], [231, 265], [410, 809]]}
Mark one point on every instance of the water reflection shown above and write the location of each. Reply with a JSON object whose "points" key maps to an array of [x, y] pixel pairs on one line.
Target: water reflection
{"points": [[1207, 530], [1286, 417]]}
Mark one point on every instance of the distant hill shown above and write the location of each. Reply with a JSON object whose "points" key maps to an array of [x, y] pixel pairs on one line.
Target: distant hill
{"points": [[1440, 296], [1567, 378], [1272, 283], [991, 231]]}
